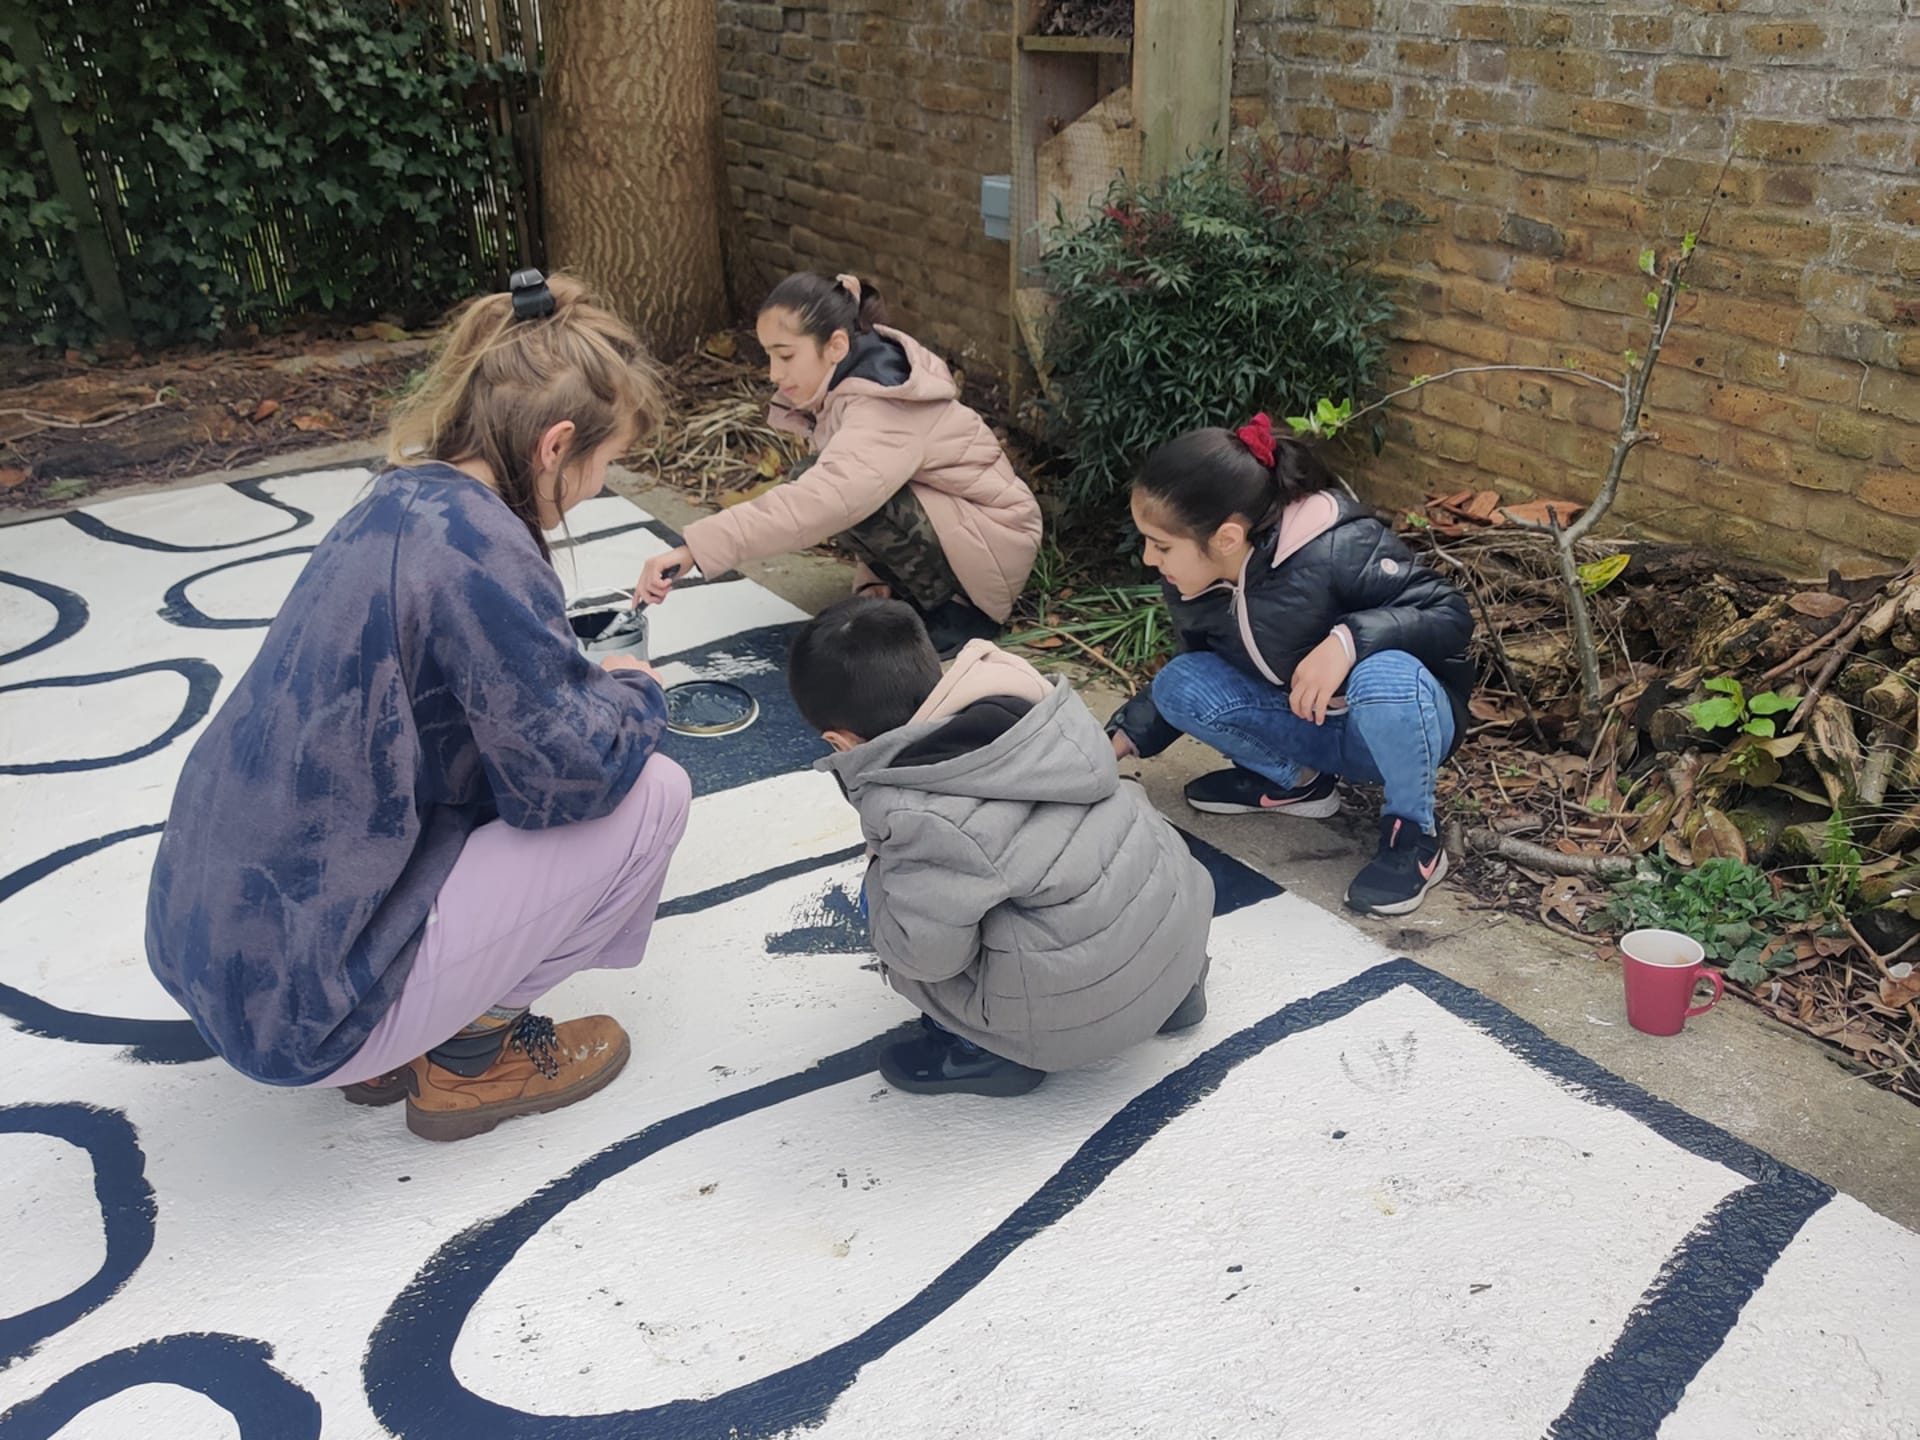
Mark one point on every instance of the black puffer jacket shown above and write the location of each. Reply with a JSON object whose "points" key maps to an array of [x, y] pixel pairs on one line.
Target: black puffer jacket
{"points": [[1357, 573]]}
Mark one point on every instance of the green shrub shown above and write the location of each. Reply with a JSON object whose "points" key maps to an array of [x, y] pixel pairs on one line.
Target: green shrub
{"points": [[260, 158], [1225, 289]]}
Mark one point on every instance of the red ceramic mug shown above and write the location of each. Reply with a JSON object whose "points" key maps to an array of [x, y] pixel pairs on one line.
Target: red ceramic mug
{"points": [[1663, 969]]}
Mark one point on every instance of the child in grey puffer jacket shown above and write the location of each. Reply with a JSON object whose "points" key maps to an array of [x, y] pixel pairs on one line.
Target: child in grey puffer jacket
{"points": [[1039, 912]]}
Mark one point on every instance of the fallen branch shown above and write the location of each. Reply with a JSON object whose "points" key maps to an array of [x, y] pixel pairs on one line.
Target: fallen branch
{"points": [[56, 423], [1594, 867]]}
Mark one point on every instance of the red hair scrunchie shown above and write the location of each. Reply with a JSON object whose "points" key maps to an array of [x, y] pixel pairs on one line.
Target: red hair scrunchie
{"points": [[1257, 436]]}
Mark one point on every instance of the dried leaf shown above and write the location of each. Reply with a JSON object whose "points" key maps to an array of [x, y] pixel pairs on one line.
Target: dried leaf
{"points": [[1717, 837], [1566, 898], [1675, 848], [1495, 709], [1817, 604], [11, 477], [318, 420], [386, 330], [722, 346], [264, 410], [1896, 993], [1047, 642]]}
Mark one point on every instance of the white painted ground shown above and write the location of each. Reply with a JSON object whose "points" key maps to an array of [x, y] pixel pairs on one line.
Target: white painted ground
{"points": [[1391, 1223]]}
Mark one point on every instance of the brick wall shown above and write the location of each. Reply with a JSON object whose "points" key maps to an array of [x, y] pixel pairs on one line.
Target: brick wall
{"points": [[856, 133], [1549, 144]]}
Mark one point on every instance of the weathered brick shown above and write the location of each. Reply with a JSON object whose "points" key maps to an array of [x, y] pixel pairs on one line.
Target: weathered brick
{"points": [[1850, 435], [1778, 236], [1617, 120], [1358, 93], [1762, 410], [1477, 342], [1495, 23], [1542, 154], [1451, 402], [1814, 470], [1895, 491], [1481, 105], [1887, 392], [1427, 57], [1650, 33], [1788, 141], [1785, 43], [1688, 86], [1594, 290], [1566, 71]]}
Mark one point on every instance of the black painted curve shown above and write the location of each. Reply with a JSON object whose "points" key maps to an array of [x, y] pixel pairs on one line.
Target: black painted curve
{"points": [[98, 529], [235, 1373], [412, 1387], [203, 683], [161, 1042], [126, 1212], [178, 609], [69, 614]]}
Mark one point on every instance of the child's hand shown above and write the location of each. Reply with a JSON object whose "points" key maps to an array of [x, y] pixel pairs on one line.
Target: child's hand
{"points": [[1318, 678], [656, 576], [627, 662], [1122, 746]]}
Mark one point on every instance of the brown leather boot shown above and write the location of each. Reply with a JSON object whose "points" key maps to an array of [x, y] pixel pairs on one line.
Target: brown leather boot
{"points": [[541, 1067], [387, 1089]]}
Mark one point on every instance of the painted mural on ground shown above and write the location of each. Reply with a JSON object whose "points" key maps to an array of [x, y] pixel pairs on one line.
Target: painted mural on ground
{"points": [[1359, 1201]]}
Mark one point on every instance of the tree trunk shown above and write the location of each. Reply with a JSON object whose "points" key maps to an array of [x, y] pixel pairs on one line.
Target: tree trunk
{"points": [[631, 164]]}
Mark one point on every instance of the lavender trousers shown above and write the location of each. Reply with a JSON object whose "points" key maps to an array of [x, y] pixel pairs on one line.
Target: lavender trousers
{"points": [[524, 909]]}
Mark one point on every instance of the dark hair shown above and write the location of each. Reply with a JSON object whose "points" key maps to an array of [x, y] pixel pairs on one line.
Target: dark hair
{"points": [[1205, 478], [822, 306], [863, 666]]}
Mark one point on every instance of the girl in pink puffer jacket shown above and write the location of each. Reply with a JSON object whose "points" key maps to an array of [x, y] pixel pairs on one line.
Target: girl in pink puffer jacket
{"points": [[903, 475]]}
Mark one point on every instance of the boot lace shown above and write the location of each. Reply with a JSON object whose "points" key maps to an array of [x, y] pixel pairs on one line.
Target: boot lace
{"points": [[533, 1037]]}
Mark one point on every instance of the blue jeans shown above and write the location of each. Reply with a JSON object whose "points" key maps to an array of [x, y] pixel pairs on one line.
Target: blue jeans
{"points": [[1398, 725]]}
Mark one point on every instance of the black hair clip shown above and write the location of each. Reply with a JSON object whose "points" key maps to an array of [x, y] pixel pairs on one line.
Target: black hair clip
{"points": [[532, 300]]}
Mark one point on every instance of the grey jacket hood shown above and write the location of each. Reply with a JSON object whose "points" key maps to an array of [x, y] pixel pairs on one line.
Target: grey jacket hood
{"points": [[1055, 752]]}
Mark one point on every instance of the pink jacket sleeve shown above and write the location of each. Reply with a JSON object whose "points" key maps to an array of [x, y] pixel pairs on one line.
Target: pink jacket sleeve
{"points": [[877, 447]]}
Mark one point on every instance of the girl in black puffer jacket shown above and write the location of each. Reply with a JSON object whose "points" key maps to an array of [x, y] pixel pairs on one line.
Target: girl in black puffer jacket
{"points": [[1312, 645]]}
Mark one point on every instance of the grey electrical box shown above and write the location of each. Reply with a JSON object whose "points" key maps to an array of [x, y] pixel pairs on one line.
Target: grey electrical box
{"points": [[996, 205]]}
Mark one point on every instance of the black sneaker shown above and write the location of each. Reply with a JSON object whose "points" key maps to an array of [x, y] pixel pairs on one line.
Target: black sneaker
{"points": [[938, 1062], [1409, 863], [1241, 792], [952, 625]]}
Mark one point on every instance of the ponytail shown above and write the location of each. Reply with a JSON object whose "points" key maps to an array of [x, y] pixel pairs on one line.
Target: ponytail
{"points": [[514, 365], [821, 306], [1201, 480]]}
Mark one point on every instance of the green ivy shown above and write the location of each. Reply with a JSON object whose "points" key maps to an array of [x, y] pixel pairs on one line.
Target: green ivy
{"points": [[262, 158], [1223, 290]]}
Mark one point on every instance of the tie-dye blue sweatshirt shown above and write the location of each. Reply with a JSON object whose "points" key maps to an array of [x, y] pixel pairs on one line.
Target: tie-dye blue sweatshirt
{"points": [[420, 681]]}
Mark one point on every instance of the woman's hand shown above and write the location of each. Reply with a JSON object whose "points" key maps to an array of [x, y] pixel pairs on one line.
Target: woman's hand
{"points": [[627, 662], [656, 576], [1318, 678], [1123, 748]]}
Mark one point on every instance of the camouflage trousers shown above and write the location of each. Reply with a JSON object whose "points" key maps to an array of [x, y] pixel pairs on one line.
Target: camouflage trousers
{"points": [[898, 545]]}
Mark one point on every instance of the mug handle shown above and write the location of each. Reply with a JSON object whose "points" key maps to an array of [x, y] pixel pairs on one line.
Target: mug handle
{"points": [[1718, 990]]}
